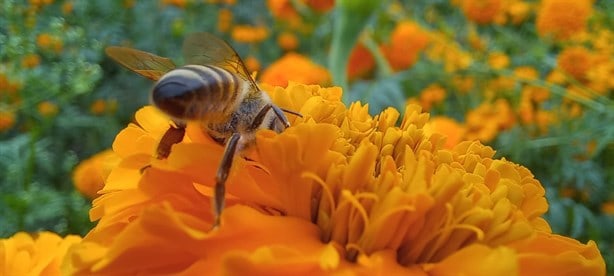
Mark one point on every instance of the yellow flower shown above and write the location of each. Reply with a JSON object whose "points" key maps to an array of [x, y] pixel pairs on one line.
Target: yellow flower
{"points": [[7, 120], [463, 84], [90, 174], [339, 192], [447, 51], [484, 122], [482, 11], [295, 67], [432, 95], [47, 109], [518, 11], [31, 61], [37, 254], [407, 41], [526, 73], [287, 41], [556, 77], [498, 60], [599, 75], [475, 41], [563, 19], [249, 34]]}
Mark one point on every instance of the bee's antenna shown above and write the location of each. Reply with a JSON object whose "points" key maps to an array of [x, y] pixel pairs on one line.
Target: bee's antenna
{"points": [[291, 112]]}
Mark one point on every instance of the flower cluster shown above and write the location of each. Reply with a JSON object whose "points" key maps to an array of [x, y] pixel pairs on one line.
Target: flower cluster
{"points": [[339, 191]]}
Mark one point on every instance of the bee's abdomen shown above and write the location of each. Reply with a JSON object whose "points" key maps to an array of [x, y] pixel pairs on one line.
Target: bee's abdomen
{"points": [[194, 92]]}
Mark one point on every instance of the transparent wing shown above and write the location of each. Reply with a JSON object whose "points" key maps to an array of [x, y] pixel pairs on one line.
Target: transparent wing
{"points": [[143, 63], [207, 49]]}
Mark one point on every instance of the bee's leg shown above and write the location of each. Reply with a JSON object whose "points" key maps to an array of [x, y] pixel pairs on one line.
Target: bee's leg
{"points": [[222, 175], [260, 117], [172, 136], [280, 115]]}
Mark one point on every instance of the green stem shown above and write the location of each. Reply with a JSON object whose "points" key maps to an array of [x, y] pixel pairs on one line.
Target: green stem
{"points": [[380, 60], [351, 18]]}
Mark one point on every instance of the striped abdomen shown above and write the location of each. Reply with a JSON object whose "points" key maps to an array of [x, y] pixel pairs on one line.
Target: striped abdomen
{"points": [[199, 92]]}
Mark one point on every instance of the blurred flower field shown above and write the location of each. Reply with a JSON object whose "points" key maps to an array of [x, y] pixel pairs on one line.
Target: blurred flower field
{"points": [[454, 91]]}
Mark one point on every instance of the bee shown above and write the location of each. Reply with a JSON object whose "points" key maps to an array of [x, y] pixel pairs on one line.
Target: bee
{"points": [[215, 89]]}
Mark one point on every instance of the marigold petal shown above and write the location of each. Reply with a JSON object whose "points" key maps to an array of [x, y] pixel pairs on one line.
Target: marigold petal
{"points": [[164, 239], [477, 259], [281, 260], [552, 254]]}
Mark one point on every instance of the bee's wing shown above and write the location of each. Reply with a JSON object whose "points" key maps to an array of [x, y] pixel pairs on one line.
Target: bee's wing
{"points": [[143, 63], [206, 49]]}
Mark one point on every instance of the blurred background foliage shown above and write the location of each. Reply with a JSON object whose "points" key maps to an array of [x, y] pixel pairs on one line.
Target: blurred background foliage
{"points": [[534, 83]]}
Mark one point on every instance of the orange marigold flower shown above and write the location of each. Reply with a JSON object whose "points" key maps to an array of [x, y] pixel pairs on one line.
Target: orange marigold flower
{"points": [[563, 18], [608, 207], [475, 41], [47, 109], [31, 61], [36, 4], [249, 34], [128, 4], [320, 5], [7, 120], [407, 41], [452, 130], [282, 9], [89, 176], [339, 192], [98, 107], [49, 42], [482, 11], [361, 62], [252, 64], [224, 20], [67, 7], [287, 41], [34, 254], [297, 68], [575, 61], [177, 3]]}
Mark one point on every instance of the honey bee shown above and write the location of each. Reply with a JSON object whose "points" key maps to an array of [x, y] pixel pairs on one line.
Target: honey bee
{"points": [[215, 89]]}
